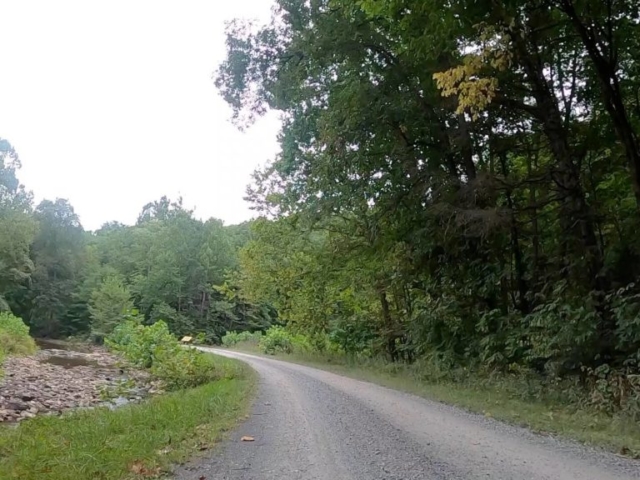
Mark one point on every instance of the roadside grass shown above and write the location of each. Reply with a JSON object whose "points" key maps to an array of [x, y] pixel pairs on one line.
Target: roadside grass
{"points": [[136, 441], [502, 398]]}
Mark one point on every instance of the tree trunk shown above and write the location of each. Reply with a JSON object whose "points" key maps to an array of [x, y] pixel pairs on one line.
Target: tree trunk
{"points": [[466, 148], [576, 218], [534, 220], [204, 296], [520, 268], [388, 325]]}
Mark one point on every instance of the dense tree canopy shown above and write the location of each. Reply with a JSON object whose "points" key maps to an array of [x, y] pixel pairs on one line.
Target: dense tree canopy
{"points": [[459, 182], [17, 227], [63, 280]]}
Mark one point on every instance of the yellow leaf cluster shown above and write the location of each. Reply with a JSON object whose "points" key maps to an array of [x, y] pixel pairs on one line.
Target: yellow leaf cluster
{"points": [[474, 90]]}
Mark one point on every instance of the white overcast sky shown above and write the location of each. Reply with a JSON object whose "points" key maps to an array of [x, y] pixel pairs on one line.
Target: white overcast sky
{"points": [[111, 105]]}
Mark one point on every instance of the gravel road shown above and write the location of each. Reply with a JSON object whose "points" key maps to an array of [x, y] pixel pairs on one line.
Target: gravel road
{"points": [[313, 425]]}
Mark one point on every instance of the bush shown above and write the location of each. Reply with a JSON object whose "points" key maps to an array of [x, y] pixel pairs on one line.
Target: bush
{"points": [[14, 336], [233, 338], [154, 348], [142, 345], [230, 339], [353, 336], [277, 339], [302, 344], [185, 368], [280, 340]]}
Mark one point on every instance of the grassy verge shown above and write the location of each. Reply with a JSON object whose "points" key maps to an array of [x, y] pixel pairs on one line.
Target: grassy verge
{"points": [[497, 398], [135, 441]]}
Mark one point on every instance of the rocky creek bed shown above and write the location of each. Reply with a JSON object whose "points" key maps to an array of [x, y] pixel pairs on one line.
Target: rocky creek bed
{"points": [[57, 379]]}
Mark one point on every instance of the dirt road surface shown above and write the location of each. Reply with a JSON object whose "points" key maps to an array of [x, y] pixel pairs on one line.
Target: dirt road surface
{"points": [[313, 425]]}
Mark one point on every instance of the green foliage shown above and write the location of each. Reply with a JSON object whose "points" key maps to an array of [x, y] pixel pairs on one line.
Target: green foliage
{"points": [[180, 270], [464, 194], [351, 337], [108, 304], [58, 253], [626, 311], [459, 188], [233, 338], [153, 347], [200, 339], [171, 266], [17, 227], [185, 368], [275, 340], [137, 342], [14, 336]]}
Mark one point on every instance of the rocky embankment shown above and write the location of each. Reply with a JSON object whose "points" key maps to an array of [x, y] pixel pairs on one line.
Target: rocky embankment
{"points": [[55, 380]]}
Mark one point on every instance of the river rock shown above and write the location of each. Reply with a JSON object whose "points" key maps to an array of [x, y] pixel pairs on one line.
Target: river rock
{"points": [[56, 380]]}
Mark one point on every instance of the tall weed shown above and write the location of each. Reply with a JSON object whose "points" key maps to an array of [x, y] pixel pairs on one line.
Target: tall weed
{"points": [[277, 339]]}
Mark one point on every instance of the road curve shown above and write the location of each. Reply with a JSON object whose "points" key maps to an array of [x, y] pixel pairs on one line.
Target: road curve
{"points": [[313, 425]]}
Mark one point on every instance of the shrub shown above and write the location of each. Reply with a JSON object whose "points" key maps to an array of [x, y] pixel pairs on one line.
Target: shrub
{"points": [[277, 339], [142, 345], [230, 339], [154, 348], [354, 336], [14, 336], [302, 343], [233, 338], [185, 368]]}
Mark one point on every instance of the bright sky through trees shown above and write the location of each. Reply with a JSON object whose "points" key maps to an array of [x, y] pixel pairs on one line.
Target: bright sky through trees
{"points": [[111, 105]]}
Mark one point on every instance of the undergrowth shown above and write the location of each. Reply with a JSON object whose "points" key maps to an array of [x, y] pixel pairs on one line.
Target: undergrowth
{"points": [[14, 337], [233, 338], [154, 348]]}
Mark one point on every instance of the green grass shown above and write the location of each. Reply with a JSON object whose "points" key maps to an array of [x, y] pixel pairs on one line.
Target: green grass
{"points": [[497, 398], [131, 442]]}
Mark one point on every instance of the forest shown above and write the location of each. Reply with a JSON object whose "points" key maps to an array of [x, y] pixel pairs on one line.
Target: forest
{"points": [[458, 185], [64, 281], [459, 182]]}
